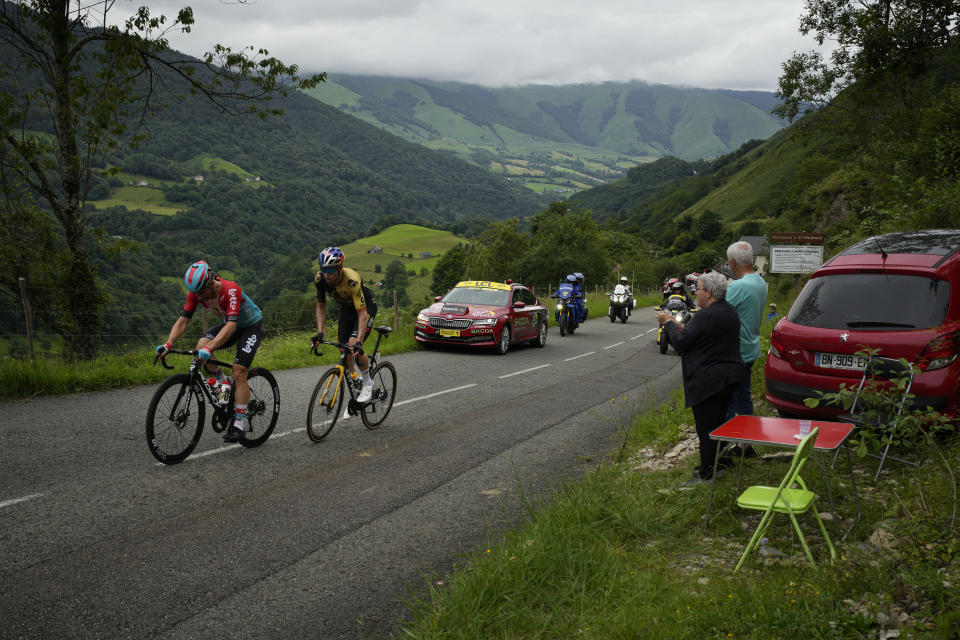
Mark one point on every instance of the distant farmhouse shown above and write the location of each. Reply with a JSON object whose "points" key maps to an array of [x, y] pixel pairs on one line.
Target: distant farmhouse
{"points": [[376, 249]]}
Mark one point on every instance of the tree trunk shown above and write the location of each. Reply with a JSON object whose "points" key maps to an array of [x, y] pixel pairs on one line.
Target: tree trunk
{"points": [[83, 295]]}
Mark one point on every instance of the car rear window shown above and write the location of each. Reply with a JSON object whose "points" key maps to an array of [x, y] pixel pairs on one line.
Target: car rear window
{"points": [[872, 302]]}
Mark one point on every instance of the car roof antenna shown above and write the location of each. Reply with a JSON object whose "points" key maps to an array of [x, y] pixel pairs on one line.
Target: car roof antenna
{"points": [[876, 239]]}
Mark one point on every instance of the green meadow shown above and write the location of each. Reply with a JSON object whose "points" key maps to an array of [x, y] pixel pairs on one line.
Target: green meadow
{"points": [[399, 242], [145, 198]]}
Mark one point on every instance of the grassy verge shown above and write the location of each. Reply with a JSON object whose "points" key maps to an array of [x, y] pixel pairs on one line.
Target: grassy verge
{"points": [[625, 554]]}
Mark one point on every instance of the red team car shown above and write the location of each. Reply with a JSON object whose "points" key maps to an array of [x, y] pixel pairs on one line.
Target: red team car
{"points": [[479, 313]]}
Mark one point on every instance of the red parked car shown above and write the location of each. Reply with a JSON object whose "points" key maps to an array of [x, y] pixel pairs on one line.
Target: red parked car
{"points": [[480, 313], [900, 293]]}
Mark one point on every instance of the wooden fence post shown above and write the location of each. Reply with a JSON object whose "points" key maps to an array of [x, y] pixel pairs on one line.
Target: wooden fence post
{"points": [[396, 310], [27, 313]]}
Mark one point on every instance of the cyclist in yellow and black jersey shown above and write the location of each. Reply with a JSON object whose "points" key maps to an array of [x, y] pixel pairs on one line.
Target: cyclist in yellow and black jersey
{"points": [[357, 309]]}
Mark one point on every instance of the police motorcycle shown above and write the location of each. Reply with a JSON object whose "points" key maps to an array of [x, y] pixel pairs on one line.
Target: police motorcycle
{"points": [[570, 311], [679, 307], [620, 304]]}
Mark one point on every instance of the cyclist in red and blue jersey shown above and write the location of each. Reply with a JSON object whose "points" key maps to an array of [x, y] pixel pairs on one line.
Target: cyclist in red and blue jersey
{"points": [[242, 325]]}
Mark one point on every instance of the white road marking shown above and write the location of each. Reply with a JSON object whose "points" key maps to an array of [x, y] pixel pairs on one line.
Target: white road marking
{"points": [[639, 336], [516, 373], [13, 501], [614, 345], [433, 395], [652, 330], [582, 355]]}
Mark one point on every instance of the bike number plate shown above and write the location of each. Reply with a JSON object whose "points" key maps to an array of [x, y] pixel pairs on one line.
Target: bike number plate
{"points": [[840, 361], [449, 333]]}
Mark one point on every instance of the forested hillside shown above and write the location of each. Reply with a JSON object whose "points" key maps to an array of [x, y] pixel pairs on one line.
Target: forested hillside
{"points": [[557, 137]]}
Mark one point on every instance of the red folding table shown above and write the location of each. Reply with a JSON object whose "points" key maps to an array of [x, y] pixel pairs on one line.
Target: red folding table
{"points": [[784, 432]]}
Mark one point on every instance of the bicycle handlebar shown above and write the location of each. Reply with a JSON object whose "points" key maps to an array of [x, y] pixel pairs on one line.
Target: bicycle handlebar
{"points": [[343, 347], [162, 358]]}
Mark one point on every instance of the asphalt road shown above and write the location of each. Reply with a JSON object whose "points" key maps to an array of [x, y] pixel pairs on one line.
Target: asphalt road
{"points": [[295, 539]]}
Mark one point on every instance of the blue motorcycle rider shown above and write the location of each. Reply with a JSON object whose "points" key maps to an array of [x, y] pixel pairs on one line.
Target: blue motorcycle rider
{"points": [[583, 310], [571, 292]]}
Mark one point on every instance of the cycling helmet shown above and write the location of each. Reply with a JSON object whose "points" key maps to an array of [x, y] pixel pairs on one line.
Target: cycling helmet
{"points": [[677, 286], [571, 278], [624, 279], [331, 257], [578, 275], [198, 276]]}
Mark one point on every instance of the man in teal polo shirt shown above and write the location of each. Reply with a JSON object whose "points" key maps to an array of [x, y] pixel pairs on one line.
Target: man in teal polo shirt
{"points": [[748, 294]]}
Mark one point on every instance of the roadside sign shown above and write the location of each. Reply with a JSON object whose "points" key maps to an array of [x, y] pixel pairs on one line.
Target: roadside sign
{"points": [[795, 258], [796, 238]]}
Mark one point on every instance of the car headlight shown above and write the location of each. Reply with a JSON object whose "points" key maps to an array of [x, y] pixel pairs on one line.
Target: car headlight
{"points": [[422, 317], [485, 322]]}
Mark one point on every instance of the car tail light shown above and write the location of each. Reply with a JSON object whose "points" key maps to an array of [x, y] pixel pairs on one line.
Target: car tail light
{"points": [[776, 344], [940, 352]]}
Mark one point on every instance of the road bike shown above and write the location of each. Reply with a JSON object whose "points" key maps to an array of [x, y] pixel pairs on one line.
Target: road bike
{"points": [[327, 399], [176, 413]]}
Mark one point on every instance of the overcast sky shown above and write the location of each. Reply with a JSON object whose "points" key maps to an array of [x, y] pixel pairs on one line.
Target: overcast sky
{"points": [[734, 44]]}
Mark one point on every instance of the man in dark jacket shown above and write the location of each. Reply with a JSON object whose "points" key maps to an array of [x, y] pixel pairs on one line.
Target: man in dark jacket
{"points": [[709, 345]]}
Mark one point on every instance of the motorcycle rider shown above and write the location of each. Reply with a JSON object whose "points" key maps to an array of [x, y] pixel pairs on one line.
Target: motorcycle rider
{"points": [[582, 310], [576, 296], [667, 289], [626, 285], [677, 289]]}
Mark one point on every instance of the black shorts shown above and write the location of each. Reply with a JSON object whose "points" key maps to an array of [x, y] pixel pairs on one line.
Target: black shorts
{"points": [[348, 319], [247, 340]]}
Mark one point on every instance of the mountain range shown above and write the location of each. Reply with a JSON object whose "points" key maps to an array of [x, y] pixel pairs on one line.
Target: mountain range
{"points": [[566, 137]]}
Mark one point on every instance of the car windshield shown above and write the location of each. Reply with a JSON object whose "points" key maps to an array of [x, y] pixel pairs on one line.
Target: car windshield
{"points": [[475, 295], [872, 302]]}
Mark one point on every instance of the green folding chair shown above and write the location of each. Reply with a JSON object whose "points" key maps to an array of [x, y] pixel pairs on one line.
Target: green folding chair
{"points": [[785, 499]]}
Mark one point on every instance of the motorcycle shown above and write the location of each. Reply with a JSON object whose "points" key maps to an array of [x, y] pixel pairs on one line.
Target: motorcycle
{"points": [[621, 302], [677, 306], [569, 311]]}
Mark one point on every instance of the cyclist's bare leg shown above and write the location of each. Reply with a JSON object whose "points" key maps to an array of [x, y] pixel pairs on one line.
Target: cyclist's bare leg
{"points": [[241, 388]]}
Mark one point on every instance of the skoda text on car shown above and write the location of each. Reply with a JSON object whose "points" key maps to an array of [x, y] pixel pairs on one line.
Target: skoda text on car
{"points": [[480, 313], [899, 293]]}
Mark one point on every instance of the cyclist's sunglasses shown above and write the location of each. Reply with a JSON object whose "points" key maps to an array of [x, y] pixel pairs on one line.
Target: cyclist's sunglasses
{"points": [[329, 269]]}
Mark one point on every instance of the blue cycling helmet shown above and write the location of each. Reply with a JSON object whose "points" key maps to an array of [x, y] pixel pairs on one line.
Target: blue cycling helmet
{"points": [[331, 257], [198, 276], [571, 278]]}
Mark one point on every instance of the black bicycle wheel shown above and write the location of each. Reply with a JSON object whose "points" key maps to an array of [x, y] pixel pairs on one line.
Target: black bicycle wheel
{"points": [[384, 393], [325, 404], [175, 419], [263, 409]]}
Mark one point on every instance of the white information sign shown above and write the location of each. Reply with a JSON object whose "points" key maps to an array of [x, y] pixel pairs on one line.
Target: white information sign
{"points": [[795, 259]]}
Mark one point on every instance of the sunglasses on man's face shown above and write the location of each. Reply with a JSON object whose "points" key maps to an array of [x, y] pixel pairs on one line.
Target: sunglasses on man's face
{"points": [[328, 270]]}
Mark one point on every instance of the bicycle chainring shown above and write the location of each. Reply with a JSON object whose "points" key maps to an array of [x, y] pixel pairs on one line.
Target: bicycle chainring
{"points": [[221, 419]]}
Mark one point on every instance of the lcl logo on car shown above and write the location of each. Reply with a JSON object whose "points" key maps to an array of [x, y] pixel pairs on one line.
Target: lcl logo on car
{"points": [[844, 336]]}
